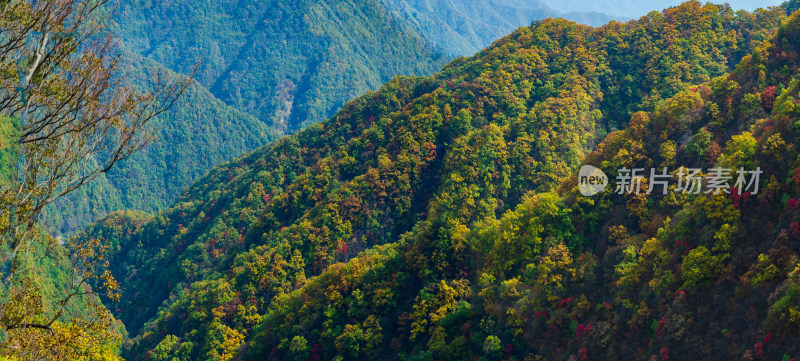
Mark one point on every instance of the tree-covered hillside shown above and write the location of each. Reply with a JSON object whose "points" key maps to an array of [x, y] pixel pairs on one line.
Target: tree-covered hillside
{"points": [[436, 218], [196, 134], [265, 67]]}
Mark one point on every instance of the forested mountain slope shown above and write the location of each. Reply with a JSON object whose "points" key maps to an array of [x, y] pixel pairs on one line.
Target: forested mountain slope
{"points": [[265, 67], [196, 134], [287, 63], [562, 276], [474, 245], [565, 277]]}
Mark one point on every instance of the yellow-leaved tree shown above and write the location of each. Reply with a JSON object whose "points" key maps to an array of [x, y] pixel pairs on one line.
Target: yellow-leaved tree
{"points": [[65, 119]]}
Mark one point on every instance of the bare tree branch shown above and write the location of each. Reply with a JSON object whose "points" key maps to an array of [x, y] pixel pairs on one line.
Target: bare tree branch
{"points": [[75, 120]]}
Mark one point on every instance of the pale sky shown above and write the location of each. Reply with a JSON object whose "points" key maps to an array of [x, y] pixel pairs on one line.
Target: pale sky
{"points": [[635, 9]]}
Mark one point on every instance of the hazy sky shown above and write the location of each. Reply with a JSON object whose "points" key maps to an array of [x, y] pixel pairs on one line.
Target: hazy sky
{"points": [[634, 9]]}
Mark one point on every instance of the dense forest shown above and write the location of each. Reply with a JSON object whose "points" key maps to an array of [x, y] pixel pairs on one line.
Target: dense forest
{"points": [[288, 63], [196, 134], [439, 218], [263, 68]]}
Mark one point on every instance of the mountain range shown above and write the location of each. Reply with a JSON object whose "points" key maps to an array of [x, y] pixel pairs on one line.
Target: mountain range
{"points": [[439, 217], [266, 68]]}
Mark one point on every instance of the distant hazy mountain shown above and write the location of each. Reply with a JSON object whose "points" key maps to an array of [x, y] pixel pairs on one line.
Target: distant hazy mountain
{"points": [[196, 134], [636, 8], [288, 63], [462, 27]]}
